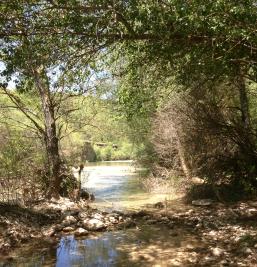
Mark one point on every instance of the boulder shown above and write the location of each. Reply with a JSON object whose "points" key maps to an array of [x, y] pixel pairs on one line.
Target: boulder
{"points": [[68, 220], [98, 216], [94, 224], [80, 232]]}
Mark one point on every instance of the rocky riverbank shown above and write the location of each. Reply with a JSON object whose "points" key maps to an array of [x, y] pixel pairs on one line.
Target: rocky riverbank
{"points": [[224, 234], [49, 220]]}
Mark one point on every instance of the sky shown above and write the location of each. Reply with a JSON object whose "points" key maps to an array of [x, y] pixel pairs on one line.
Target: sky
{"points": [[11, 84]]}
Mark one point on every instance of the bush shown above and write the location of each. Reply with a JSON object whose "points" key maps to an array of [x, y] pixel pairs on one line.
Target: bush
{"points": [[22, 166], [198, 134]]}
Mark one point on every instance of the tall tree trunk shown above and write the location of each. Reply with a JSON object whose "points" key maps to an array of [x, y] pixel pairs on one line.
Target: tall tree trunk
{"points": [[51, 139], [182, 158], [244, 103], [248, 143]]}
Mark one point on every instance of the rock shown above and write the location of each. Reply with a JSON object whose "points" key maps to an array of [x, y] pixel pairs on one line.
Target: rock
{"points": [[69, 220], [98, 216], [199, 225], [127, 224], [114, 215], [58, 227], [83, 215], [202, 202], [217, 252], [94, 224], [68, 229], [165, 220], [113, 219], [159, 205], [197, 180], [80, 232], [74, 212], [138, 214], [246, 250], [49, 232], [117, 212]]}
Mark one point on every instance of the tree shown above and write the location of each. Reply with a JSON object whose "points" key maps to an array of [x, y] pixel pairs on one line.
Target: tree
{"points": [[197, 39]]}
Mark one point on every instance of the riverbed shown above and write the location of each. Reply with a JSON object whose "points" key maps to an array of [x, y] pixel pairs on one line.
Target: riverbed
{"points": [[116, 186]]}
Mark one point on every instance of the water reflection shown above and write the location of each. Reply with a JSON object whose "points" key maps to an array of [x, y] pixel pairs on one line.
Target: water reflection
{"points": [[99, 251], [116, 185], [144, 246]]}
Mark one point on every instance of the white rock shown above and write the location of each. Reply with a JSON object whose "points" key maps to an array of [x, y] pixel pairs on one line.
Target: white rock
{"points": [[98, 216], [93, 224], [217, 252], [80, 232], [197, 180]]}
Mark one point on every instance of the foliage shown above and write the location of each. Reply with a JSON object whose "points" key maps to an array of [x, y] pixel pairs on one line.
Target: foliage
{"points": [[204, 51]]}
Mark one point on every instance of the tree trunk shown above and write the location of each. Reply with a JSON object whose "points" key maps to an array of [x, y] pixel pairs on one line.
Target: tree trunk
{"points": [[51, 139], [244, 103], [182, 158], [248, 141]]}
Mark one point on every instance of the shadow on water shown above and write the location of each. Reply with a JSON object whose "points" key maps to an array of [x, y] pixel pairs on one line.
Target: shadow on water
{"points": [[144, 246], [114, 183]]}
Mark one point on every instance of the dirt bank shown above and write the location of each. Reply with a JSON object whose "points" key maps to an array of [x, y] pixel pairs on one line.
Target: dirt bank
{"points": [[49, 220], [223, 234]]}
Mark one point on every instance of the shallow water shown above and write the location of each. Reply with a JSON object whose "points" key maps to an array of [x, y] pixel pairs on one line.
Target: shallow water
{"points": [[143, 246], [116, 186]]}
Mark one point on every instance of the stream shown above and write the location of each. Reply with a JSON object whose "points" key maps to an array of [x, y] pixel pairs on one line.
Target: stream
{"points": [[116, 186]]}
